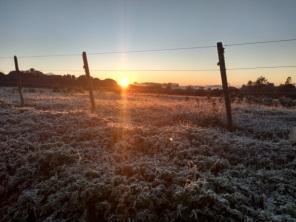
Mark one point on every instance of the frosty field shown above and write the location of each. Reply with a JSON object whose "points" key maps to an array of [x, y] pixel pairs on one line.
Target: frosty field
{"points": [[143, 158]]}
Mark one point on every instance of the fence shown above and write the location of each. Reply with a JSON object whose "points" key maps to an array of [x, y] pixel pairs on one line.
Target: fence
{"points": [[221, 64]]}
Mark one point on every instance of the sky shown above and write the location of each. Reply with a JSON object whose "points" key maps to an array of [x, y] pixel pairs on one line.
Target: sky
{"points": [[39, 27]]}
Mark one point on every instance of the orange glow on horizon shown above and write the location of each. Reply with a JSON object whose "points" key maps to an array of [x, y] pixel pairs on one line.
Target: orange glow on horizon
{"points": [[124, 83]]}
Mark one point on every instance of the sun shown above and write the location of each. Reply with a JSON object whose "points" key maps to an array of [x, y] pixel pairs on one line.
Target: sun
{"points": [[124, 83]]}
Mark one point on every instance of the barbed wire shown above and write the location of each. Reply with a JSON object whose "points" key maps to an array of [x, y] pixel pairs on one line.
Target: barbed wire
{"points": [[259, 42], [263, 67], [153, 50], [41, 56], [174, 70]]}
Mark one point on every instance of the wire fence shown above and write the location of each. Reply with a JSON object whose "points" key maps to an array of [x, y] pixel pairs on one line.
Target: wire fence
{"points": [[155, 50], [219, 46], [158, 50], [181, 70]]}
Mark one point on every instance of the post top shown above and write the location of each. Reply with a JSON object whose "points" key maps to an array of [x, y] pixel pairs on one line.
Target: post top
{"points": [[219, 44]]}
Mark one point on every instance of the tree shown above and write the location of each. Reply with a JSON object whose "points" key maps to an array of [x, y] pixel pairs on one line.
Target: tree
{"points": [[288, 81], [261, 81], [250, 83]]}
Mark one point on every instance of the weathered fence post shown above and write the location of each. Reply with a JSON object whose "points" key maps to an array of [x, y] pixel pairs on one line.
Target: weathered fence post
{"points": [[224, 84], [89, 82], [19, 81]]}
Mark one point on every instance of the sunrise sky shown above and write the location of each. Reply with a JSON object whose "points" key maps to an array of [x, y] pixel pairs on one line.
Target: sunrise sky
{"points": [[31, 27]]}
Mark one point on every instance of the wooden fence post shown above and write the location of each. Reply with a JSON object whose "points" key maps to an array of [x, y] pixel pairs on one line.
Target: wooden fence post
{"points": [[89, 81], [19, 81], [224, 84]]}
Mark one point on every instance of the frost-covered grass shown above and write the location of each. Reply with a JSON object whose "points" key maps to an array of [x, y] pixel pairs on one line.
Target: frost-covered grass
{"points": [[143, 158]]}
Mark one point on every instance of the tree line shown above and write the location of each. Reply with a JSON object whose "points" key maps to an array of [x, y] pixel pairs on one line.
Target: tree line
{"points": [[263, 87], [260, 87], [35, 78]]}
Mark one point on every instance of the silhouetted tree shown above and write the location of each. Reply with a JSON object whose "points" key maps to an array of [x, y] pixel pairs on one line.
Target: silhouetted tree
{"points": [[261, 81], [287, 88], [288, 81]]}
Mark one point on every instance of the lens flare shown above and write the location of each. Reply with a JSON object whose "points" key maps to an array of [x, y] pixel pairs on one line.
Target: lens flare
{"points": [[124, 83]]}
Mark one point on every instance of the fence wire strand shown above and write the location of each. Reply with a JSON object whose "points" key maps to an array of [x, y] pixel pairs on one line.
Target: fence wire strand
{"points": [[175, 70], [154, 50]]}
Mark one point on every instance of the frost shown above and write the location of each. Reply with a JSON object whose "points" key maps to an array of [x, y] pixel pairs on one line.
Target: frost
{"points": [[149, 158], [292, 136]]}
